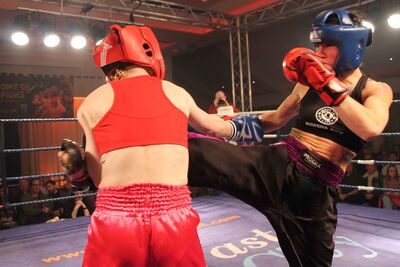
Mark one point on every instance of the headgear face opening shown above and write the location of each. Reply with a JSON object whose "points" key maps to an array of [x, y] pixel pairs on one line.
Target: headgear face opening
{"points": [[130, 44], [350, 38]]}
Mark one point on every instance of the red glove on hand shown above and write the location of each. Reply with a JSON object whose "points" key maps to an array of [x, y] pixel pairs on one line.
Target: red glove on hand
{"points": [[306, 67]]}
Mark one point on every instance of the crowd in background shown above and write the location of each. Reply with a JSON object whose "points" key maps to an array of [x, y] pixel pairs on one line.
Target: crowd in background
{"points": [[46, 211], [372, 175]]}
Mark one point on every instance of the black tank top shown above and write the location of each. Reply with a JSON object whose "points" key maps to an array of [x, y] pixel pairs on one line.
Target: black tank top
{"points": [[317, 118]]}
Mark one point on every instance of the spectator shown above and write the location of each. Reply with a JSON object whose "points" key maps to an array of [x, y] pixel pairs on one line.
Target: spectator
{"points": [[351, 177], [60, 205], [221, 101], [23, 189], [392, 156], [35, 213], [391, 200], [6, 215], [80, 208], [371, 178]]}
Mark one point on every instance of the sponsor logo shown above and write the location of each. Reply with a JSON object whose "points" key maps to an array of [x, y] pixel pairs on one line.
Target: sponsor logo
{"points": [[311, 161], [326, 116], [314, 37], [103, 58]]}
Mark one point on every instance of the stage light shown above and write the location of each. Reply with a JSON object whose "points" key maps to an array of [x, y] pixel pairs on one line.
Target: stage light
{"points": [[48, 29], [20, 27], [78, 41], [394, 21], [20, 38], [51, 40]]}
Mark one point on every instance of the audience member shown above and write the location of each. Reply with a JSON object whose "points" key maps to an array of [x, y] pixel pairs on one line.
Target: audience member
{"points": [[80, 208], [34, 213], [391, 200], [371, 178], [59, 206], [220, 100], [392, 156], [6, 215], [351, 177]]}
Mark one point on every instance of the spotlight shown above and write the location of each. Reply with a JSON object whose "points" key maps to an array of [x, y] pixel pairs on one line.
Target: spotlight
{"points": [[78, 42], [86, 8], [394, 21], [20, 26], [51, 40], [20, 38]]}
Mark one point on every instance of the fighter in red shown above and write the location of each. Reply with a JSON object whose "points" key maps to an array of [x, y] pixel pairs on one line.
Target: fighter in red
{"points": [[137, 155]]}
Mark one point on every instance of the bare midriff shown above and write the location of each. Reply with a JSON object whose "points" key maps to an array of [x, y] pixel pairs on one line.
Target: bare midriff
{"points": [[326, 148], [156, 164]]}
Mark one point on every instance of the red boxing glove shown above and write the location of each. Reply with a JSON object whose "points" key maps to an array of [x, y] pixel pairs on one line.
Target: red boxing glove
{"points": [[290, 65], [310, 70]]}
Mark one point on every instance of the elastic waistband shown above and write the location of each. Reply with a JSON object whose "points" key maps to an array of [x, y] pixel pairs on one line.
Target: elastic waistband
{"points": [[143, 198], [312, 164]]}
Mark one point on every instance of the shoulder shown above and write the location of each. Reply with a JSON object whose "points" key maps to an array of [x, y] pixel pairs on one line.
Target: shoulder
{"points": [[378, 89], [96, 97], [97, 101], [172, 89]]}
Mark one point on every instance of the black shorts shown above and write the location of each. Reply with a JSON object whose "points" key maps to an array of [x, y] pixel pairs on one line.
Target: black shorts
{"points": [[301, 208]]}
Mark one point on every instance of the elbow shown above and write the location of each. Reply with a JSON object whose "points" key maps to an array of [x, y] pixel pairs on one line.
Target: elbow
{"points": [[370, 134]]}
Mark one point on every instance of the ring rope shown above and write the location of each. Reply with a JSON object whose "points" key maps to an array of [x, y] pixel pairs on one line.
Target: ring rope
{"points": [[30, 149], [31, 177], [371, 161], [40, 201], [12, 205], [75, 119], [369, 188], [38, 120]]}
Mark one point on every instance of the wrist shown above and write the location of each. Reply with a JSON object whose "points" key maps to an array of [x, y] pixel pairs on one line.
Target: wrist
{"points": [[233, 130]]}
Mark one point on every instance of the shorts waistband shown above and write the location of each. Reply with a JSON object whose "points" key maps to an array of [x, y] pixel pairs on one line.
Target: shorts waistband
{"points": [[143, 198], [312, 164]]}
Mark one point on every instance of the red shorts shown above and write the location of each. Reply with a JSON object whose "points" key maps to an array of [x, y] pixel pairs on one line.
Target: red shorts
{"points": [[144, 225]]}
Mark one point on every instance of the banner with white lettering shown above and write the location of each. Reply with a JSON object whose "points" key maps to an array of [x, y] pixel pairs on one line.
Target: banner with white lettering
{"points": [[31, 96]]}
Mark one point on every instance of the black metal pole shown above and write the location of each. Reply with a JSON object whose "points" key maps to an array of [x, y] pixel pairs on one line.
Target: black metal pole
{"points": [[3, 172]]}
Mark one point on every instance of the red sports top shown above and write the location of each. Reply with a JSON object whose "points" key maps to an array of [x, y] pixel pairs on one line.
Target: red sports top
{"points": [[140, 115]]}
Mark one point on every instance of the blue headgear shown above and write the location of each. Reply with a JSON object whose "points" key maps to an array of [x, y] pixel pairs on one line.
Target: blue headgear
{"points": [[350, 38]]}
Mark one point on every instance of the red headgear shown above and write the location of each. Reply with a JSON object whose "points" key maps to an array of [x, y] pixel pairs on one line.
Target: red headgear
{"points": [[130, 44]]}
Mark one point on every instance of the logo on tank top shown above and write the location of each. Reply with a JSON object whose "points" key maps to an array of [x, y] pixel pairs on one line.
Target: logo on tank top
{"points": [[326, 116]]}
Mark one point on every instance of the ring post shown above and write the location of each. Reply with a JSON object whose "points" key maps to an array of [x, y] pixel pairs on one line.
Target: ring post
{"points": [[3, 172]]}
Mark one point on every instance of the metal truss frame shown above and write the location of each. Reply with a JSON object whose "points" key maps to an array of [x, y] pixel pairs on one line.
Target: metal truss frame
{"points": [[240, 67], [238, 26]]}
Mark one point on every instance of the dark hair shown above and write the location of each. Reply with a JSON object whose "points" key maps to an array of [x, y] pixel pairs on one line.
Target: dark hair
{"points": [[356, 17]]}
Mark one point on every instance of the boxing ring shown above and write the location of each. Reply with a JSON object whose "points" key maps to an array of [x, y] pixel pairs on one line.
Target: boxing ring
{"points": [[231, 232]]}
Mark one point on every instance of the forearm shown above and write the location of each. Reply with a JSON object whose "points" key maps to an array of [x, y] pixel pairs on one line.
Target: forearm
{"points": [[213, 126], [272, 121], [74, 212], [86, 212], [361, 120]]}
